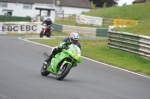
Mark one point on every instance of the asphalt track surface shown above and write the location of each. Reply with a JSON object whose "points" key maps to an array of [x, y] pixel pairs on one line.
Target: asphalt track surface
{"points": [[20, 78]]}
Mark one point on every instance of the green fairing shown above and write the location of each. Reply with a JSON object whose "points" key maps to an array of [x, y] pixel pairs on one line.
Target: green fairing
{"points": [[73, 53]]}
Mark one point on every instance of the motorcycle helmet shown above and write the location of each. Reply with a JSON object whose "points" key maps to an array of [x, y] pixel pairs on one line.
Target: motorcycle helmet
{"points": [[74, 37], [48, 18]]}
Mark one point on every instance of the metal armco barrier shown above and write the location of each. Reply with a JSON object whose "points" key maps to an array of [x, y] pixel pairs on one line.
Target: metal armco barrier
{"points": [[137, 44], [57, 27], [101, 32]]}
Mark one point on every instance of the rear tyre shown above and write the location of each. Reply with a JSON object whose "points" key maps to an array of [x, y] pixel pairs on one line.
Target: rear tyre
{"points": [[48, 34], [62, 73], [44, 72]]}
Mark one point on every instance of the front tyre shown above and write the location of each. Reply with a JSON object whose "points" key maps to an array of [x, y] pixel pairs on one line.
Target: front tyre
{"points": [[62, 73], [44, 72], [41, 34]]}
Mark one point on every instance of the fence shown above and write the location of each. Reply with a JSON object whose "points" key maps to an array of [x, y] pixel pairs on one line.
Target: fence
{"points": [[137, 44], [13, 18], [57, 27], [72, 19], [106, 22], [85, 31]]}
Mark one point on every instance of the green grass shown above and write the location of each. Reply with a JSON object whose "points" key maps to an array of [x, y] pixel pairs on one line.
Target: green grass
{"points": [[129, 12], [133, 12], [98, 50]]}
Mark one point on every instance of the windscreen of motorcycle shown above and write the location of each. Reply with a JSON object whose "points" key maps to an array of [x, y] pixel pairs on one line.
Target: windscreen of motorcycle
{"points": [[77, 49]]}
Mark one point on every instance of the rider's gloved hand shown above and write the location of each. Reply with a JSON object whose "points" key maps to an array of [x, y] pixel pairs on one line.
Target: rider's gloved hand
{"points": [[61, 45], [64, 47]]}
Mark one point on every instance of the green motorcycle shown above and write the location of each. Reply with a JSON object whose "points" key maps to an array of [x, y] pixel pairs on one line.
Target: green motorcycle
{"points": [[62, 62]]}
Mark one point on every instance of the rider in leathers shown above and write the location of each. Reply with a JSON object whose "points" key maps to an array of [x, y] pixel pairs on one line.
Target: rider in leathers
{"points": [[73, 39], [48, 22]]}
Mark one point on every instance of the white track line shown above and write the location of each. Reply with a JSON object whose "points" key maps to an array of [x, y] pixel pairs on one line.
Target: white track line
{"points": [[90, 59]]}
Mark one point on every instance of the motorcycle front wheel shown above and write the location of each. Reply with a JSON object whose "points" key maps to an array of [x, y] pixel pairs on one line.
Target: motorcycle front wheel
{"points": [[62, 73], [41, 34], [44, 72]]}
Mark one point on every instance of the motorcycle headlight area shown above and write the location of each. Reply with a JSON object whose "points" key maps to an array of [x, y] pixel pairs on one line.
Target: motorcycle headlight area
{"points": [[43, 27], [74, 54]]}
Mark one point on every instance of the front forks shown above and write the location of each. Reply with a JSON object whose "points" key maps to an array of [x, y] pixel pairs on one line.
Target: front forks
{"points": [[43, 31]]}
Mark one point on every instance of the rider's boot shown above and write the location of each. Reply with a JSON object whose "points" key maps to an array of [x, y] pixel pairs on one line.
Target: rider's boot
{"points": [[48, 60]]}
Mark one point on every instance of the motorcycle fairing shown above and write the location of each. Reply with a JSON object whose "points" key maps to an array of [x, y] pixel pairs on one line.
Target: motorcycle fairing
{"points": [[53, 68], [69, 56]]}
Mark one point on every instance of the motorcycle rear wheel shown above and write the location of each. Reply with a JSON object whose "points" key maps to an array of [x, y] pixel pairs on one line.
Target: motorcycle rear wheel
{"points": [[44, 72], [62, 73], [48, 34]]}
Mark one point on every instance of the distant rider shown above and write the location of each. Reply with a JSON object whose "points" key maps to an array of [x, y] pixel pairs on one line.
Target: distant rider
{"points": [[48, 22]]}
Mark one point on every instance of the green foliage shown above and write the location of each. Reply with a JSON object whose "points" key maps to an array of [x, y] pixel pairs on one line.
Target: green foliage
{"points": [[4, 18], [124, 4], [93, 6], [104, 5], [100, 3]]}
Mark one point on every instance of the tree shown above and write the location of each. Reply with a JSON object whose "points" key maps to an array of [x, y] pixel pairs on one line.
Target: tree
{"points": [[124, 4], [100, 3], [93, 5]]}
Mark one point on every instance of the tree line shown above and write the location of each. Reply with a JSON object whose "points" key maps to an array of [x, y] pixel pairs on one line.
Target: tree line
{"points": [[101, 3]]}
